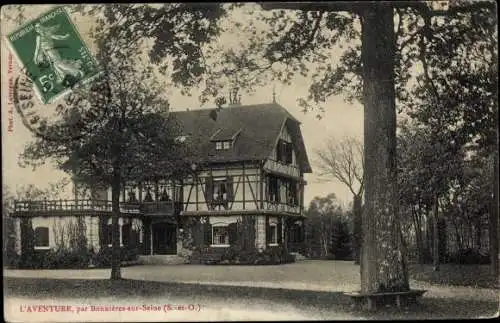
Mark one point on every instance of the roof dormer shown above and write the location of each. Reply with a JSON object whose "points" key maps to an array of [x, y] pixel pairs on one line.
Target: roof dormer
{"points": [[224, 138]]}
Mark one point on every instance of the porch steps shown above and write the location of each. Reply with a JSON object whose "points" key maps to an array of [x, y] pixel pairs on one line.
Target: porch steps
{"points": [[298, 256], [161, 260]]}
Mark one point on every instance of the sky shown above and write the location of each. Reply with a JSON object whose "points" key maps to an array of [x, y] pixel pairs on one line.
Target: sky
{"points": [[339, 119]]}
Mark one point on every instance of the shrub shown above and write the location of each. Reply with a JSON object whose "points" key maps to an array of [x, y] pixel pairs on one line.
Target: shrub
{"points": [[12, 261], [71, 259], [234, 255], [50, 259], [103, 257]]}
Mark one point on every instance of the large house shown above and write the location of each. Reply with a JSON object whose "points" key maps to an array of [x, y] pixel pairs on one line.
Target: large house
{"points": [[253, 166]]}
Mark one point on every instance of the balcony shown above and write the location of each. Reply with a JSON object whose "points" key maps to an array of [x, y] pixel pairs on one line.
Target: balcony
{"points": [[52, 207], [283, 207], [157, 208], [62, 205]]}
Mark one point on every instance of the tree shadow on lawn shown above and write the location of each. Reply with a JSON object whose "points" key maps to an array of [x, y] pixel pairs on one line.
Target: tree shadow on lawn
{"points": [[316, 301], [456, 275]]}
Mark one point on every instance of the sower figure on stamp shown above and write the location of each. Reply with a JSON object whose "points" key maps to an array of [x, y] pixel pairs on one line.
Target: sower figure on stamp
{"points": [[46, 52]]}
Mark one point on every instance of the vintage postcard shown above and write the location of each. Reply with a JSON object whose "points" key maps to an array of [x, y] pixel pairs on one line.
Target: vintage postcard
{"points": [[250, 161]]}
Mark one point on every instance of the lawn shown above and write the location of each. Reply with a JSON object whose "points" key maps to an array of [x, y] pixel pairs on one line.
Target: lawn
{"points": [[300, 291], [456, 275], [321, 275], [299, 304]]}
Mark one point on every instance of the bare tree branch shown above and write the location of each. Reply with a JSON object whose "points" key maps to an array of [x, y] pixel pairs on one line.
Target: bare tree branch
{"points": [[343, 161]]}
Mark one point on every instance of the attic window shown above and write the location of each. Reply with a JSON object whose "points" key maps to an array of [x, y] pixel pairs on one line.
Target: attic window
{"points": [[284, 152], [223, 145]]}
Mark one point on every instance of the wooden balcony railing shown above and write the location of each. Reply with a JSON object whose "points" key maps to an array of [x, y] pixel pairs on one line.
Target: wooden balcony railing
{"points": [[283, 207], [156, 207], [163, 207], [62, 205]]}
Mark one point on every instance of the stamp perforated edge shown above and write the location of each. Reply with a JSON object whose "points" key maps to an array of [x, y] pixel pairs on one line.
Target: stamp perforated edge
{"points": [[21, 65]]}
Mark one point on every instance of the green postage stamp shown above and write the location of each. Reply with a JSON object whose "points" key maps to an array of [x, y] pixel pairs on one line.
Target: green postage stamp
{"points": [[53, 54]]}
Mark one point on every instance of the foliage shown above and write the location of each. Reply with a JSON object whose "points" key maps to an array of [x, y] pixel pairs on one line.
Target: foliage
{"points": [[324, 45], [432, 164], [343, 160], [118, 127], [65, 258], [53, 259], [25, 192], [114, 133], [102, 259], [428, 164], [327, 230], [274, 255]]}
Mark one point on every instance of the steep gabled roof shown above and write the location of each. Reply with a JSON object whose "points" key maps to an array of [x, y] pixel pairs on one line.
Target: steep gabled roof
{"points": [[255, 129]]}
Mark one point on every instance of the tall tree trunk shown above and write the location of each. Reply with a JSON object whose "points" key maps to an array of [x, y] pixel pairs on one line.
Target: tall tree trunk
{"points": [[494, 251], [435, 235], [382, 262], [428, 232], [357, 229], [115, 233]]}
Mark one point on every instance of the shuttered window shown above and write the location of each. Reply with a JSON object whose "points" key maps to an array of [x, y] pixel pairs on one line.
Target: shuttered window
{"points": [[126, 234], [207, 234], [220, 191], [41, 237], [289, 153], [233, 233], [279, 230]]}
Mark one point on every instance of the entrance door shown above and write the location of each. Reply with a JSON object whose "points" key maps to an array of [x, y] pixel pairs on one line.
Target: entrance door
{"points": [[164, 239]]}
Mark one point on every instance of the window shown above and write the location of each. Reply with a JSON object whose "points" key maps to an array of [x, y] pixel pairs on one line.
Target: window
{"points": [[284, 152], [41, 238], [220, 236], [223, 145], [293, 198], [274, 189], [273, 231], [220, 190], [148, 197], [131, 197]]}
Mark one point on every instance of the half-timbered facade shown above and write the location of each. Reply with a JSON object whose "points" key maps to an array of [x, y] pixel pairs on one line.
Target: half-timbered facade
{"points": [[251, 163]]}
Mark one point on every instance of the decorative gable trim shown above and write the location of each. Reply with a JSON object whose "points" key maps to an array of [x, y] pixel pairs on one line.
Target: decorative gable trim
{"points": [[236, 134], [212, 138]]}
